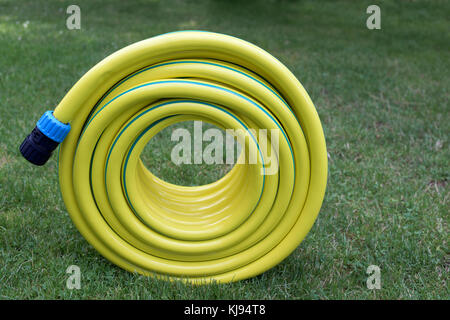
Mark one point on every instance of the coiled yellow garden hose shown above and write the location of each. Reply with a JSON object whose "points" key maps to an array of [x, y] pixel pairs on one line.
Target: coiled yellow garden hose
{"points": [[232, 229]]}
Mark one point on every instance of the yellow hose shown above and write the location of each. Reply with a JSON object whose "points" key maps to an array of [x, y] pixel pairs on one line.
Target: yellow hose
{"points": [[232, 229]]}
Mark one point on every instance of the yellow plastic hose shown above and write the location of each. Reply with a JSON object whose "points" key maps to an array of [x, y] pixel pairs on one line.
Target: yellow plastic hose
{"points": [[232, 229]]}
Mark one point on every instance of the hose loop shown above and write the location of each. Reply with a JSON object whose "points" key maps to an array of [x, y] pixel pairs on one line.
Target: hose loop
{"points": [[235, 228]]}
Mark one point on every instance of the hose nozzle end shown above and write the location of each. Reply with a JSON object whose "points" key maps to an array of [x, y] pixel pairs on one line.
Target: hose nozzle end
{"points": [[45, 137], [37, 147]]}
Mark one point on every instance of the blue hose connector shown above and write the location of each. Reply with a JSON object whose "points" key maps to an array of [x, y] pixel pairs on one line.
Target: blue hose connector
{"points": [[53, 128], [45, 137]]}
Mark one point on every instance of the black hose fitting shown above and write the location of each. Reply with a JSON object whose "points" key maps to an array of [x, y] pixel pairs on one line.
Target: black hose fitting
{"points": [[37, 147], [45, 137]]}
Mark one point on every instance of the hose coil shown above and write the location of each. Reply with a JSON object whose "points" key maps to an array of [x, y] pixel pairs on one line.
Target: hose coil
{"points": [[235, 228]]}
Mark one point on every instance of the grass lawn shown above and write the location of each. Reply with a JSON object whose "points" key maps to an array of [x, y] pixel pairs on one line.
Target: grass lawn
{"points": [[382, 96]]}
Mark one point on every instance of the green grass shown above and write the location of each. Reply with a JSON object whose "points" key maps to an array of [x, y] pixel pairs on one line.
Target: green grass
{"points": [[382, 97], [157, 158]]}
